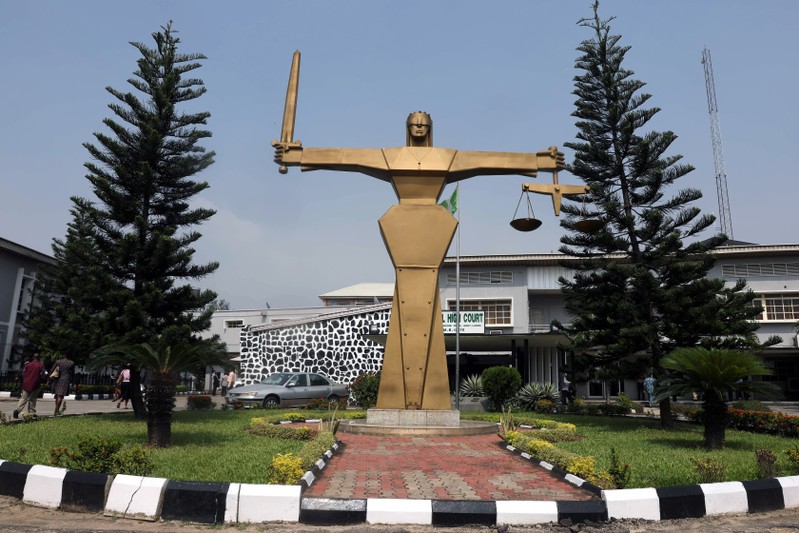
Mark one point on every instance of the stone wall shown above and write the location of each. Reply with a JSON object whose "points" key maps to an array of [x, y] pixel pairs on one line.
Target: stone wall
{"points": [[332, 345]]}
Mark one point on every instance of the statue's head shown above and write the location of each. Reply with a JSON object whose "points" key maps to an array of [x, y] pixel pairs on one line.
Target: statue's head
{"points": [[419, 129]]}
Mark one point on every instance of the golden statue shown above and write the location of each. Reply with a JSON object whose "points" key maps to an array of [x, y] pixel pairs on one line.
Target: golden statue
{"points": [[417, 233]]}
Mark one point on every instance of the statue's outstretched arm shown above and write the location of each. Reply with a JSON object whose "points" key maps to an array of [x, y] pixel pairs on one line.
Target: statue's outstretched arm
{"points": [[469, 164], [369, 161]]}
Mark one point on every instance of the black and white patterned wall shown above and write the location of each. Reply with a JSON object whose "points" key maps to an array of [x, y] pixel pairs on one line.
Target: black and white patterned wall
{"points": [[332, 345]]}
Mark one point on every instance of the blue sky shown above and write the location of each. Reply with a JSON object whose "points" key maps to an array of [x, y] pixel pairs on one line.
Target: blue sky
{"points": [[494, 76]]}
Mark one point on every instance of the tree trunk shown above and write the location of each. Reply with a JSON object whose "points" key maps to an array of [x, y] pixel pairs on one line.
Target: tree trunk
{"points": [[136, 400], [666, 418], [715, 421], [160, 404]]}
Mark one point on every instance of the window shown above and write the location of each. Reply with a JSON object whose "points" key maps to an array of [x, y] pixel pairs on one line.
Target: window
{"points": [[298, 380], [318, 381], [778, 307], [497, 312], [757, 269], [234, 323], [503, 277]]}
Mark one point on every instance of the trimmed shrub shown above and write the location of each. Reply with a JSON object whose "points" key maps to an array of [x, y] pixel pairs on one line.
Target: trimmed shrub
{"points": [[133, 460], [279, 431], [558, 435], [709, 470], [582, 466], [763, 422], [751, 405], [544, 406], [793, 459], [286, 469], [104, 456], [312, 450], [625, 402], [323, 404], [767, 466], [364, 390], [199, 402], [500, 384], [687, 412]]}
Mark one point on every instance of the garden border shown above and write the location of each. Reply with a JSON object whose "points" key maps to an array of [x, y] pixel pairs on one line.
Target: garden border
{"points": [[152, 499]]}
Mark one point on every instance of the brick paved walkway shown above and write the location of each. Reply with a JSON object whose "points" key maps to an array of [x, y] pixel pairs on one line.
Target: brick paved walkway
{"points": [[440, 468]]}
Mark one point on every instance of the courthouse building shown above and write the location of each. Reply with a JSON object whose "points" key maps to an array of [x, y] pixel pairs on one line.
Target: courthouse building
{"points": [[519, 296]]}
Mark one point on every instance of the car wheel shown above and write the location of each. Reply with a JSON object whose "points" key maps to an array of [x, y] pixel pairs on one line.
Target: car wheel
{"points": [[332, 398], [271, 402]]}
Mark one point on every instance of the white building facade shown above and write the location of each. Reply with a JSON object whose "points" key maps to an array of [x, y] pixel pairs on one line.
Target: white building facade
{"points": [[520, 297]]}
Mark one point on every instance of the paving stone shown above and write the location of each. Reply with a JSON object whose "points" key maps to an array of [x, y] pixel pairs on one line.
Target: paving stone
{"points": [[441, 468]]}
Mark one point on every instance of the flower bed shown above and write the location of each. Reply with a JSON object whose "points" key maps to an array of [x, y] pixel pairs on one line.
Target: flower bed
{"points": [[754, 421]]}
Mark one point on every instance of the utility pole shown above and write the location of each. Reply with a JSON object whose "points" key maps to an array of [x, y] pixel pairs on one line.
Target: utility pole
{"points": [[725, 217]]}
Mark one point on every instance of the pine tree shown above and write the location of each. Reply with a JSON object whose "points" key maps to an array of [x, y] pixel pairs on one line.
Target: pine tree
{"points": [[125, 265], [140, 178], [639, 288], [68, 314]]}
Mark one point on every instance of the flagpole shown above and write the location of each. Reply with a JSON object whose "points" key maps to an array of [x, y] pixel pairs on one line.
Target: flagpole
{"points": [[458, 305]]}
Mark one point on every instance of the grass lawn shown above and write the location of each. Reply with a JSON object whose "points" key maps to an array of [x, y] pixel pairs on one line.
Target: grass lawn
{"points": [[213, 446], [660, 458]]}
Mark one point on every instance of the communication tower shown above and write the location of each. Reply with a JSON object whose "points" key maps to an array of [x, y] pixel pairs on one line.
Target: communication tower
{"points": [[725, 218]]}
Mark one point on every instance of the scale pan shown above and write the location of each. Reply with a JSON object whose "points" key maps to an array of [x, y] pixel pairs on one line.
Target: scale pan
{"points": [[588, 225], [525, 224]]}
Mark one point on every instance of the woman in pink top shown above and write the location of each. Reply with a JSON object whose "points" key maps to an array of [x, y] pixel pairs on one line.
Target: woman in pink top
{"points": [[124, 386]]}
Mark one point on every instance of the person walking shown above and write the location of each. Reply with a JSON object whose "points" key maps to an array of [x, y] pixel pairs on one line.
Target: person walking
{"points": [[124, 386], [31, 383], [565, 391], [61, 380], [231, 379], [215, 384], [649, 386], [224, 384]]}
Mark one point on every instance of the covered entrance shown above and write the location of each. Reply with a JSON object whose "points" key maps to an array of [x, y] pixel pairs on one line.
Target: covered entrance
{"points": [[536, 355]]}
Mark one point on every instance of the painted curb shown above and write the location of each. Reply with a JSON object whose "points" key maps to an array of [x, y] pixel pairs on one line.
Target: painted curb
{"points": [[44, 486], [12, 479], [135, 497], [332, 511], [219, 502], [195, 501], [395, 511], [85, 492], [464, 512]]}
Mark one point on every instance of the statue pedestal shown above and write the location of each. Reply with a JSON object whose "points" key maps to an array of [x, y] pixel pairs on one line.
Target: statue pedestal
{"points": [[413, 418], [404, 422]]}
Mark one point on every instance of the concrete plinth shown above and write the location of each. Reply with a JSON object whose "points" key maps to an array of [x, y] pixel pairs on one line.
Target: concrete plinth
{"points": [[413, 418], [416, 423]]}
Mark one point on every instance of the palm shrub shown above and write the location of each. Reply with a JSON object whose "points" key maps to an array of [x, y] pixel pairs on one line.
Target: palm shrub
{"points": [[529, 394], [163, 362], [471, 386], [714, 373], [500, 383]]}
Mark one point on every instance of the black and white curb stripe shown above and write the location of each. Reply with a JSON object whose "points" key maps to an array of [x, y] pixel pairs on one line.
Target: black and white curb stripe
{"points": [[215, 503]]}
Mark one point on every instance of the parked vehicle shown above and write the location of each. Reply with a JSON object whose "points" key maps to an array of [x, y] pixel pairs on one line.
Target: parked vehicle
{"points": [[288, 389]]}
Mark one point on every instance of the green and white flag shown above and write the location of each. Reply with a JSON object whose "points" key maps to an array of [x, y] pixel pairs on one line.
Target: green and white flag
{"points": [[451, 205]]}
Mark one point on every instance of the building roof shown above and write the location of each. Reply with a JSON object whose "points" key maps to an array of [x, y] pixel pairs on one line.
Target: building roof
{"points": [[24, 251], [368, 290], [345, 312], [730, 251]]}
